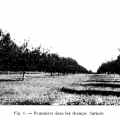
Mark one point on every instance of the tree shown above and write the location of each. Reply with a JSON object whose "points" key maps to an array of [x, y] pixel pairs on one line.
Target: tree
{"points": [[8, 52], [21, 58], [24, 57]]}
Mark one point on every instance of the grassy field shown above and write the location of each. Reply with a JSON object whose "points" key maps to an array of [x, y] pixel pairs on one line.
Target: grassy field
{"points": [[43, 89]]}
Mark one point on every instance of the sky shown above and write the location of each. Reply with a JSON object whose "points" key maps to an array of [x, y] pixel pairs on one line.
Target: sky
{"points": [[86, 30]]}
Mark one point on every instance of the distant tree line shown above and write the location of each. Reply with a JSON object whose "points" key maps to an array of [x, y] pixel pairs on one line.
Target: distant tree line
{"points": [[112, 66], [21, 58]]}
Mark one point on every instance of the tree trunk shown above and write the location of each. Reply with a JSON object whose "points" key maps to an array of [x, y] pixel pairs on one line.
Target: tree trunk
{"points": [[51, 73], [23, 75]]}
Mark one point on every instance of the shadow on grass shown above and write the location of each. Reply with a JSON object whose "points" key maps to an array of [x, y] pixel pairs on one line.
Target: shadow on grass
{"points": [[27, 102], [36, 76], [98, 84], [102, 85], [91, 92], [102, 81], [11, 80]]}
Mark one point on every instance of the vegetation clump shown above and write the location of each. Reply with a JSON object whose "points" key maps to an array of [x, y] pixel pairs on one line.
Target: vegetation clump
{"points": [[22, 58]]}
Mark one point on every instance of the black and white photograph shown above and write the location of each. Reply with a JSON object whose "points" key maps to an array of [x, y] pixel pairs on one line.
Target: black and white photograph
{"points": [[60, 53]]}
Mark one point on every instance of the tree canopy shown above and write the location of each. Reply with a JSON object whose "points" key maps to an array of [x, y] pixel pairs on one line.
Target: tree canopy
{"points": [[112, 66], [21, 58]]}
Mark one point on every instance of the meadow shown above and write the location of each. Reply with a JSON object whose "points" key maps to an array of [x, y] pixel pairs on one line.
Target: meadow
{"points": [[43, 89]]}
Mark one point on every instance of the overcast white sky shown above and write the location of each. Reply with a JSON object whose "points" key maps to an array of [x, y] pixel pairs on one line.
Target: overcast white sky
{"points": [[86, 30]]}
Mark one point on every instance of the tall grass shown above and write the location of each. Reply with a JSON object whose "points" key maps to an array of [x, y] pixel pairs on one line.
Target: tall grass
{"points": [[42, 89]]}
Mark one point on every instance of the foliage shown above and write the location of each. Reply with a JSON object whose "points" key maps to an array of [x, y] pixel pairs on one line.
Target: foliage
{"points": [[21, 58], [110, 67]]}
